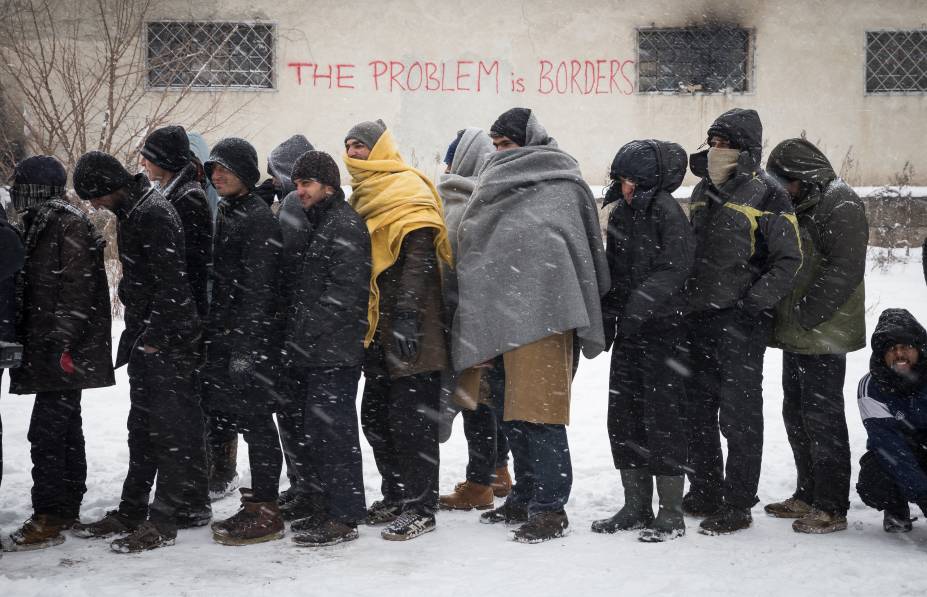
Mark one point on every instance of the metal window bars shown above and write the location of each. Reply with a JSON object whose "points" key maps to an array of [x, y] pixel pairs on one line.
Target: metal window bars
{"points": [[710, 59], [896, 61], [210, 55]]}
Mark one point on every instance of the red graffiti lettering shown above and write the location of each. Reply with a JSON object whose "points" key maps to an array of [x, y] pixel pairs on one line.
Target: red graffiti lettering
{"points": [[461, 76], [492, 68], [379, 69], [343, 79]]}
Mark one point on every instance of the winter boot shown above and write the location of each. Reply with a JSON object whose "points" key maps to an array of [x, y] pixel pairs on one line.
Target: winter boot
{"points": [[302, 506], [286, 496], [190, 518], [329, 532], [409, 525], [502, 485], [383, 512], [467, 496], [699, 505], [728, 519], [820, 522], [789, 508], [113, 523], [39, 532], [255, 522], [670, 523], [897, 520], [223, 470], [509, 513], [637, 512], [543, 526], [147, 536]]}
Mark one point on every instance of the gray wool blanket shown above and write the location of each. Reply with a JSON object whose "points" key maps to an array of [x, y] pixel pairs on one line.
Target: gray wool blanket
{"points": [[530, 258]]}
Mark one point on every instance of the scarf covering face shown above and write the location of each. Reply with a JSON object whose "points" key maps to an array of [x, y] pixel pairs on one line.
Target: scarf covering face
{"points": [[394, 199], [530, 258], [721, 164]]}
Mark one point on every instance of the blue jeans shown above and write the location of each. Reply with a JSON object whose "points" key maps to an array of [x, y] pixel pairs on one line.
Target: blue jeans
{"points": [[543, 471]]}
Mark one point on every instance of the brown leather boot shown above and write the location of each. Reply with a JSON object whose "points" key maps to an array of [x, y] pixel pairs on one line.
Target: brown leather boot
{"points": [[255, 522], [39, 532], [502, 486], [467, 496]]}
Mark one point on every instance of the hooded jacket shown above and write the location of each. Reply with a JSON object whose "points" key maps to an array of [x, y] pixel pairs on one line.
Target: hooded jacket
{"points": [[747, 243], [649, 243], [825, 312], [894, 408], [281, 160]]}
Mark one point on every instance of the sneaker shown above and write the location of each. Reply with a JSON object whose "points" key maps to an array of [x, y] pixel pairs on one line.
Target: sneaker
{"points": [[508, 513], [286, 496], [39, 532], [697, 505], [897, 522], [383, 512], [113, 523], [329, 532], [255, 522], [308, 523], [728, 519], [298, 507], [820, 522], [223, 487], [409, 525], [502, 486], [789, 508], [467, 496], [146, 537], [543, 527], [194, 518]]}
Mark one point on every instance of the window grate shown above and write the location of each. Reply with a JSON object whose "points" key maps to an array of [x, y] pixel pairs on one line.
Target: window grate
{"points": [[694, 60], [896, 61], [209, 54]]}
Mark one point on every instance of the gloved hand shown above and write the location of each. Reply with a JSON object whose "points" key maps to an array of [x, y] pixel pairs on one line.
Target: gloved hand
{"points": [[266, 191], [406, 335], [66, 363], [610, 325], [241, 369]]}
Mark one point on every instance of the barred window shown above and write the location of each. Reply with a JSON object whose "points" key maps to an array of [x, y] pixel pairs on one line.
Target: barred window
{"points": [[210, 54], [896, 61], [694, 60]]}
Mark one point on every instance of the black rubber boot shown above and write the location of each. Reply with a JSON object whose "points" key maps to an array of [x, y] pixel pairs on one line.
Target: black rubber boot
{"points": [[670, 523], [637, 512]]}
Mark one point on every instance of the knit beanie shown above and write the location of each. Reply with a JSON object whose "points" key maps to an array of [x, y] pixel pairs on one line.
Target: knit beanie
{"points": [[452, 149], [168, 147], [238, 157], [319, 166], [512, 124], [37, 179], [98, 174], [368, 132]]}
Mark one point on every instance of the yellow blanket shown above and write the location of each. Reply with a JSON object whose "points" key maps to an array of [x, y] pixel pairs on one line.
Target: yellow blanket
{"points": [[394, 199]]}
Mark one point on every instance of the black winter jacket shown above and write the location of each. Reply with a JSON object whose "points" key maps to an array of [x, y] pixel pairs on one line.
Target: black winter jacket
{"points": [[327, 267], [64, 303], [244, 318], [649, 243], [159, 306], [189, 199], [12, 255]]}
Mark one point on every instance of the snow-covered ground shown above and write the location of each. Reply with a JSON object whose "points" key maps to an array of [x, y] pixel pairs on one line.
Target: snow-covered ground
{"points": [[464, 557]]}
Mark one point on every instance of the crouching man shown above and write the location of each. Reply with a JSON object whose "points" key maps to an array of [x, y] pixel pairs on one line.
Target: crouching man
{"points": [[893, 404], [326, 325], [159, 344]]}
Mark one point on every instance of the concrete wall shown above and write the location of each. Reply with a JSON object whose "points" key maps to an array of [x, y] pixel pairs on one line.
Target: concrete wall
{"points": [[809, 74]]}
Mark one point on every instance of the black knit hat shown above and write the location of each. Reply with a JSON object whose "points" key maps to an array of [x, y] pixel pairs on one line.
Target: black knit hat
{"points": [[512, 124], [98, 174], [37, 179], [319, 166], [237, 156], [168, 147]]}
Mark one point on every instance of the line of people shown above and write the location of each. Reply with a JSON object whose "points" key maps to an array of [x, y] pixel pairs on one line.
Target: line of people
{"points": [[479, 294]]}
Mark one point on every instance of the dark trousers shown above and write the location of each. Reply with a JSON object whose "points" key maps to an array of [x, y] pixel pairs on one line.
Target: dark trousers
{"points": [[543, 470], [264, 454], [645, 402], [165, 440], [878, 489], [216, 441], [725, 396], [331, 452], [399, 418], [816, 425], [487, 446], [59, 463], [292, 438]]}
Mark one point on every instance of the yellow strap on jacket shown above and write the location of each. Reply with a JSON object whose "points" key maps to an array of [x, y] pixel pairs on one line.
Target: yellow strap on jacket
{"points": [[394, 199]]}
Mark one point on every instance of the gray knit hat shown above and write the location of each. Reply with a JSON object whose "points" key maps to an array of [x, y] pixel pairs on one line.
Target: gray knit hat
{"points": [[368, 132]]}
